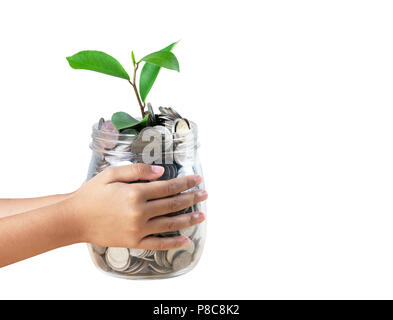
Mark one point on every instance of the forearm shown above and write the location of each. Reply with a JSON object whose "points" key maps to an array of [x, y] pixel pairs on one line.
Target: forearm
{"points": [[10, 207], [27, 234]]}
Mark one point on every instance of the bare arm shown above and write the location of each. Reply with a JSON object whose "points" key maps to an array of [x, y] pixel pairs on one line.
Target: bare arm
{"points": [[10, 207], [27, 234], [106, 210]]}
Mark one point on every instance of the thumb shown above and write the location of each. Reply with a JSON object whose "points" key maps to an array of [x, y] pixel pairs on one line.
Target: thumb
{"points": [[132, 172]]}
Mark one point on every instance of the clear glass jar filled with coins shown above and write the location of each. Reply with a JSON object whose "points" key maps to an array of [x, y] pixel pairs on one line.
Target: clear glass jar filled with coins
{"points": [[172, 143]]}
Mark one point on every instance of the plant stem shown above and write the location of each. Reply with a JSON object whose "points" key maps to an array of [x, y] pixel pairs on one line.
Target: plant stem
{"points": [[136, 91]]}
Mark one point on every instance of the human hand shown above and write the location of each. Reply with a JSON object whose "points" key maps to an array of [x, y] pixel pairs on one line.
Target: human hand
{"points": [[109, 211]]}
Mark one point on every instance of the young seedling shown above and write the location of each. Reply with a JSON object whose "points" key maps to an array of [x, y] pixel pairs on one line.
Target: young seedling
{"points": [[104, 63]]}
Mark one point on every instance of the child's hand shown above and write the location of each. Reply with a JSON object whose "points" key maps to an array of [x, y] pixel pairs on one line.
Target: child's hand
{"points": [[108, 211]]}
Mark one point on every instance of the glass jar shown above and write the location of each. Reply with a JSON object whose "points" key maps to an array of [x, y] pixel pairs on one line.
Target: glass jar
{"points": [[177, 153]]}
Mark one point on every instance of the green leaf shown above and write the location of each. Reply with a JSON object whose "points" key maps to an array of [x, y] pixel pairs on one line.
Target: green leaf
{"points": [[133, 58], [98, 61], [144, 121], [129, 131], [122, 120], [149, 75], [162, 59]]}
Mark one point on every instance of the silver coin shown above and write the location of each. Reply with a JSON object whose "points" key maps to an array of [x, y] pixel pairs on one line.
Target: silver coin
{"points": [[98, 249], [139, 253], [167, 112], [170, 112], [173, 173], [151, 112], [189, 231], [135, 266], [144, 267], [189, 247], [148, 145], [100, 123], [121, 163], [197, 207], [174, 112], [106, 135], [170, 172], [151, 253], [183, 155], [160, 259], [102, 165], [150, 259], [117, 258], [181, 127], [157, 268], [122, 147], [181, 260], [163, 111]]}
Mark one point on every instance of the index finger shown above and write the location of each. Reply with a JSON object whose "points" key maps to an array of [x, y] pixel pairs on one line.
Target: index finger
{"points": [[167, 188]]}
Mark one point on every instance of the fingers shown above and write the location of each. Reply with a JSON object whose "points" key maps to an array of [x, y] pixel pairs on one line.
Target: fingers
{"points": [[165, 224], [132, 172], [156, 243], [162, 189], [173, 204]]}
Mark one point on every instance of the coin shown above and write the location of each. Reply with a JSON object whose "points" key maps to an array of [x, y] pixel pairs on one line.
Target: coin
{"points": [[147, 147], [183, 155], [121, 163], [100, 123], [98, 249], [188, 232], [166, 112], [139, 253], [122, 148], [160, 259], [143, 266], [173, 169], [189, 247], [102, 165], [174, 112], [170, 172], [106, 135], [117, 258], [181, 127], [151, 112], [135, 266], [157, 268], [181, 260]]}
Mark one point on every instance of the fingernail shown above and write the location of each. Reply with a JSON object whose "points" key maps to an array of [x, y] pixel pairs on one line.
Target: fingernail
{"points": [[202, 193], [157, 169], [197, 179], [198, 215]]}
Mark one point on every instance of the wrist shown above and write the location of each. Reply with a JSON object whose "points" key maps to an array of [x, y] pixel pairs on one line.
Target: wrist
{"points": [[71, 219]]}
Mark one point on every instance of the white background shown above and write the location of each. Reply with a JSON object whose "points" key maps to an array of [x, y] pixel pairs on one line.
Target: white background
{"points": [[294, 104]]}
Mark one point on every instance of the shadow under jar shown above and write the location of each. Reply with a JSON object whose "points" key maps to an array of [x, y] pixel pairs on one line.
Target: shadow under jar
{"points": [[177, 153]]}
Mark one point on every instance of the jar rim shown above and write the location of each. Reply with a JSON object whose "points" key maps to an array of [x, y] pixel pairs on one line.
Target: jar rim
{"points": [[114, 135]]}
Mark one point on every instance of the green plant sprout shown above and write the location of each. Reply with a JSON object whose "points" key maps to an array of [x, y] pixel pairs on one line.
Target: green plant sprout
{"points": [[104, 63]]}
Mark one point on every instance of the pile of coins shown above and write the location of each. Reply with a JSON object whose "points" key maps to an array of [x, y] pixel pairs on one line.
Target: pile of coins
{"points": [[176, 145]]}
